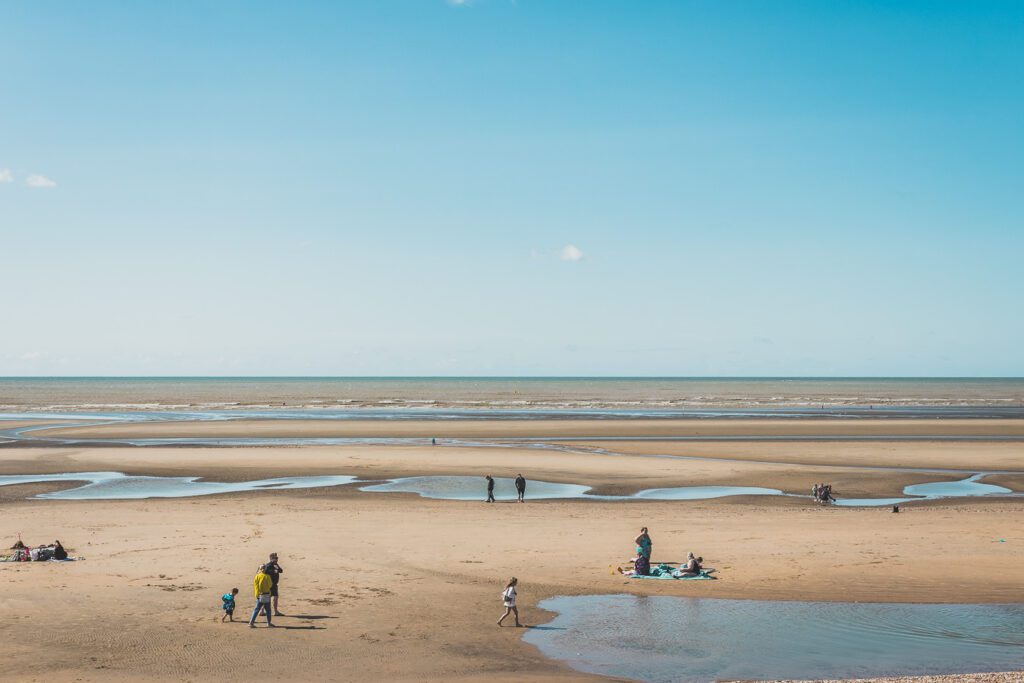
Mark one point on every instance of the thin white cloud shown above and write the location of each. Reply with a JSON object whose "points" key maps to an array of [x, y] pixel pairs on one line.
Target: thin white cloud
{"points": [[39, 181], [6, 176], [459, 3], [571, 252], [34, 355]]}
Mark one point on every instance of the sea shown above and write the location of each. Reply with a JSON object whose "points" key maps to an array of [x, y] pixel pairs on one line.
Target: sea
{"points": [[636, 395]]}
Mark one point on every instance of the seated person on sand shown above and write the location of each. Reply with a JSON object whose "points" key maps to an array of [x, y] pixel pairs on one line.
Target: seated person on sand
{"points": [[641, 567], [58, 551], [693, 566]]}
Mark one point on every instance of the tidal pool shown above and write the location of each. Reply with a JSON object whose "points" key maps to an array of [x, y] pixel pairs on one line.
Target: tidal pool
{"points": [[117, 485], [694, 640], [475, 488], [965, 488], [703, 492]]}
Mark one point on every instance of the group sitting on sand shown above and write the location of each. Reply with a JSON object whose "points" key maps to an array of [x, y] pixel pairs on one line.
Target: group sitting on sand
{"points": [[693, 567], [43, 553], [822, 493]]}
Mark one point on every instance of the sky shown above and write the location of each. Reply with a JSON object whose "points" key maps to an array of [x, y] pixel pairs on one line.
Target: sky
{"points": [[498, 187]]}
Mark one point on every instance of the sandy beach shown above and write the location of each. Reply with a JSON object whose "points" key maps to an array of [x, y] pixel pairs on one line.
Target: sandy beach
{"points": [[408, 586]]}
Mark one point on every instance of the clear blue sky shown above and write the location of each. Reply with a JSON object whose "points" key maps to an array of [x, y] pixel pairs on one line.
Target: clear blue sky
{"points": [[498, 187]]}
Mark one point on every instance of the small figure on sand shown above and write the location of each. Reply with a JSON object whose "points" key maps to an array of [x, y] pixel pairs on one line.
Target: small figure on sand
{"points": [[508, 598], [261, 585], [274, 571], [58, 551], [228, 600], [490, 488], [823, 493], [521, 487]]}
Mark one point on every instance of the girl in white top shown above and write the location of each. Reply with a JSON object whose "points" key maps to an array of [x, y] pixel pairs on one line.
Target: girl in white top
{"points": [[508, 597]]}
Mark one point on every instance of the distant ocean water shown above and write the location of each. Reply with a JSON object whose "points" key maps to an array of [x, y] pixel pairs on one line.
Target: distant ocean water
{"points": [[53, 394]]}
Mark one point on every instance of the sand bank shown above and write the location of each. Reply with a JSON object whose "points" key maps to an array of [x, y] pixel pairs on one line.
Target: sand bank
{"points": [[569, 428]]}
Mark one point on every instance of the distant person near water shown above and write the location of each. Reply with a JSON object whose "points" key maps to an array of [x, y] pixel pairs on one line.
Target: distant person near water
{"points": [[508, 598], [823, 493], [274, 571], [261, 585], [228, 600], [490, 488], [521, 487]]}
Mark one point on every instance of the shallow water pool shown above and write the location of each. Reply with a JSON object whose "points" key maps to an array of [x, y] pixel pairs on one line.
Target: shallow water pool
{"points": [[475, 488], [662, 639], [964, 488], [120, 486]]}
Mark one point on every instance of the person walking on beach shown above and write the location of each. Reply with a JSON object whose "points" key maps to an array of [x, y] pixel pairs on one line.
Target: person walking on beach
{"points": [[521, 487], [490, 488], [508, 598], [274, 571], [261, 585], [644, 544]]}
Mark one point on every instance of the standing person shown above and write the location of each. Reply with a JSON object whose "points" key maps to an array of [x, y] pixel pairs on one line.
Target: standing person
{"points": [[521, 487], [814, 492], [229, 605], [644, 544], [490, 489], [508, 598], [261, 585], [274, 571]]}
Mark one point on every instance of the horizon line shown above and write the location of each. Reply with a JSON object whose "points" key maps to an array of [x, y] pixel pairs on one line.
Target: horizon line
{"points": [[529, 377]]}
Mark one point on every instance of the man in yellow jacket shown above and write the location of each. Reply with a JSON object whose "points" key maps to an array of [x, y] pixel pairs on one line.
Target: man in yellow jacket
{"points": [[261, 586]]}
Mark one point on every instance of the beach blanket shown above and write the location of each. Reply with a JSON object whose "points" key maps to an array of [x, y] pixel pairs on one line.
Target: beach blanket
{"points": [[667, 572], [12, 558]]}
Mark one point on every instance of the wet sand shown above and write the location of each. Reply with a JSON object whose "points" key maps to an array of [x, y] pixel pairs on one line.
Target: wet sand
{"points": [[408, 588], [569, 428]]}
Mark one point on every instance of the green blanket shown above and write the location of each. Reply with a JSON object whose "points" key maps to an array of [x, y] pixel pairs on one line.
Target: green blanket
{"points": [[668, 572]]}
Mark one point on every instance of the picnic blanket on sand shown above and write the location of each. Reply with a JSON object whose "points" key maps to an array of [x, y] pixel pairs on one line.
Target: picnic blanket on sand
{"points": [[668, 572]]}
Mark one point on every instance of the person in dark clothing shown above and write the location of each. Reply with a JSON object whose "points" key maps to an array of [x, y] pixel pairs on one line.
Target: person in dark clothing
{"points": [[274, 571], [490, 488], [58, 551], [521, 487]]}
